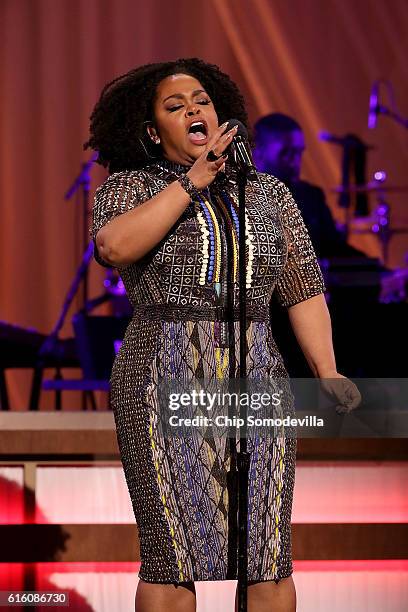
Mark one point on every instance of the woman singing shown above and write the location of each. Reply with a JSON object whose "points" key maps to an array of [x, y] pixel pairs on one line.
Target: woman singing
{"points": [[162, 218]]}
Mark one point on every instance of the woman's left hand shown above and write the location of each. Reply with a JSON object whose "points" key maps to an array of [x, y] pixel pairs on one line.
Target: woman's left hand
{"points": [[342, 390]]}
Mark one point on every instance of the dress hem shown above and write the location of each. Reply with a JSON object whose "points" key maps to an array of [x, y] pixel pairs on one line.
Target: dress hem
{"points": [[177, 583]]}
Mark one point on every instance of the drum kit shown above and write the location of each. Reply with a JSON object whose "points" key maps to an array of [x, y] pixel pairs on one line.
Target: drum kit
{"points": [[394, 284], [379, 222]]}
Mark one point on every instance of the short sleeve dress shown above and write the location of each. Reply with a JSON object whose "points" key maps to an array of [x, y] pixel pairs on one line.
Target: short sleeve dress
{"points": [[179, 490]]}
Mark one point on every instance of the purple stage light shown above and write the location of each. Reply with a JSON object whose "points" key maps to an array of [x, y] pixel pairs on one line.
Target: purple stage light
{"points": [[380, 176]]}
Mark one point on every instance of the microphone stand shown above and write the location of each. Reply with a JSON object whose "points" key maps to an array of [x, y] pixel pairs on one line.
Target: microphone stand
{"points": [[243, 457], [50, 343], [238, 475], [83, 180]]}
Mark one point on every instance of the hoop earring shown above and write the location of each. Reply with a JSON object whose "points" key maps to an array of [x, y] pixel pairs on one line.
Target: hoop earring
{"points": [[148, 155], [156, 139]]}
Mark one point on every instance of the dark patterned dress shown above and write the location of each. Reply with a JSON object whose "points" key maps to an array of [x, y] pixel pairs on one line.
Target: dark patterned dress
{"points": [[178, 487]]}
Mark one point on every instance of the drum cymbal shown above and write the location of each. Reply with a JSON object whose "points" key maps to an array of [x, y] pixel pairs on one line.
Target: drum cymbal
{"points": [[373, 186]]}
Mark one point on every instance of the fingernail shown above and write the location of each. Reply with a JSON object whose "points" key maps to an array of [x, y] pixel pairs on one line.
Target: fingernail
{"points": [[224, 124]]}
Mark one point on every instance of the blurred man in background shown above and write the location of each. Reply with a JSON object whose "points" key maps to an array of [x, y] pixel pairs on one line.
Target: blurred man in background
{"points": [[279, 147]]}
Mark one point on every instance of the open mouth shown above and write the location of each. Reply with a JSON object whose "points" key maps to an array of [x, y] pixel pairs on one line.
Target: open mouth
{"points": [[197, 132]]}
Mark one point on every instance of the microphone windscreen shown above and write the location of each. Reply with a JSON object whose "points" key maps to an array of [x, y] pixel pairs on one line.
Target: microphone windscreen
{"points": [[242, 131]]}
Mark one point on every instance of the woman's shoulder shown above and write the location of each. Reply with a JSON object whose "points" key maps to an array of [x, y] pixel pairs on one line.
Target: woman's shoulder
{"points": [[119, 193], [123, 178], [277, 187]]}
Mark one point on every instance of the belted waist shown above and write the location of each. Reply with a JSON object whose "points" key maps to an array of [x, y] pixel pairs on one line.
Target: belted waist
{"points": [[170, 312]]}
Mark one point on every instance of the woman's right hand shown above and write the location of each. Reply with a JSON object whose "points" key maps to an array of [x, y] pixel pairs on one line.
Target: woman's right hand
{"points": [[203, 172]]}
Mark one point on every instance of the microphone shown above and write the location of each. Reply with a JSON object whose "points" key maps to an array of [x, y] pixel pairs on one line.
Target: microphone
{"points": [[328, 137], [373, 107], [241, 150], [347, 141]]}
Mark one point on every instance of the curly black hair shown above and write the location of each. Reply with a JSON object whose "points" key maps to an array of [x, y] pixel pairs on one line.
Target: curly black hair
{"points": [[118, 121]]}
